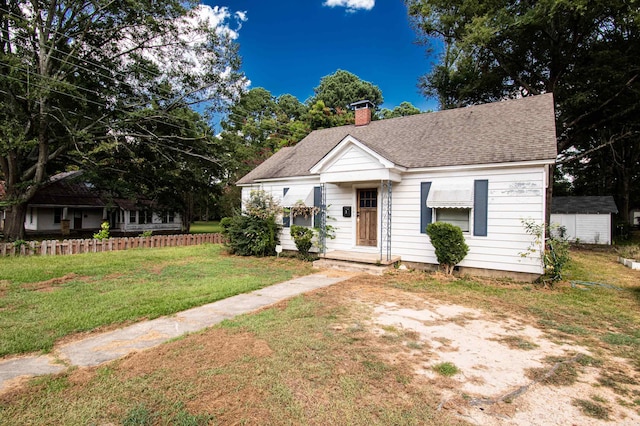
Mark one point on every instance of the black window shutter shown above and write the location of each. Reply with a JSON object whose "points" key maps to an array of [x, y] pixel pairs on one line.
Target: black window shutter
{"points": [[480, 207], [425, 212], [317, 202], [286, 213]]}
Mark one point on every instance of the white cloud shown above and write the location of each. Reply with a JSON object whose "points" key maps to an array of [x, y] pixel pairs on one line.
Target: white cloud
{"points": [[351, 5], [190, 59]]}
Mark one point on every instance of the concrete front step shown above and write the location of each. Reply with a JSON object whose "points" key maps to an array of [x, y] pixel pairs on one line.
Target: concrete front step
{"points": [[344, 265]]}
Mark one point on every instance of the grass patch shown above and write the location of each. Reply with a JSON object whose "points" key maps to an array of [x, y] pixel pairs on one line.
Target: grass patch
{"points": [[620, 339], [138, 416], [47, 298], [447, 369], [517, 342], [592, 409], [564, 375], [201, 227], [415, 345]]}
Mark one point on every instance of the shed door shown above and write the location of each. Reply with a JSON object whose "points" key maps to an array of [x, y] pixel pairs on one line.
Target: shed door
{"points": [[367, 217]]}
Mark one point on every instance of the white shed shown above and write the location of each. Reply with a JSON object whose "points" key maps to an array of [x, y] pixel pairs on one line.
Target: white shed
{"points": [[586, 219]]}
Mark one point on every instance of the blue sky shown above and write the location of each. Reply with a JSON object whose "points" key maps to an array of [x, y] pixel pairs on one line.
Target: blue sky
{"points": [[287, 46]]}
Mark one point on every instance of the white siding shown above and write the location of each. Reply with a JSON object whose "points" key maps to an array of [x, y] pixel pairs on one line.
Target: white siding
{"points": [[514, 195], [337, 198], [276, 189], [43, 219], [353, 159], [91, 219], [587, 228]]}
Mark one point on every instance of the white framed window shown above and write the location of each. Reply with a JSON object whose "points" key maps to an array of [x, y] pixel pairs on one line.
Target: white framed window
{"points": [[303, 219], [460, 217]]}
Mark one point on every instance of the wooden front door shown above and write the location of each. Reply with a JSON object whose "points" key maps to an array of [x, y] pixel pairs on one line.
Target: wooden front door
{"points": [[367, 217]]}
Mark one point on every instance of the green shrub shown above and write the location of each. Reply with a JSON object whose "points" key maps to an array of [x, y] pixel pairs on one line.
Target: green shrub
{"points": [[556, 248], [254, 233], [103, 234], [449, 243], [302, 236], [251, 235]]}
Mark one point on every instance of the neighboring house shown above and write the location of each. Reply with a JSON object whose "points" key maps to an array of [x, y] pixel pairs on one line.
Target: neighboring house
{"points": [[128, 216], [64, 204], [484, 168], [67, 204], [585, 219]]}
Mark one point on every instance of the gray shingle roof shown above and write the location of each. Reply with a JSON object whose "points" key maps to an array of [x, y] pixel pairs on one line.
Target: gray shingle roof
{"points": [[583, 205], [507, 131]]}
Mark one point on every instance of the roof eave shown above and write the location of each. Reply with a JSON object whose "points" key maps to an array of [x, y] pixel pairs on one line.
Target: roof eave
{"points": [[484, 165], [279, 179]]}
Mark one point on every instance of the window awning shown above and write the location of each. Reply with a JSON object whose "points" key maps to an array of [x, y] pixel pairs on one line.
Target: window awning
{"points": [[451, 195], [297, 194]]}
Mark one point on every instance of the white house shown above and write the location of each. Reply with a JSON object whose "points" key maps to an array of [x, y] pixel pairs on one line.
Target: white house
{"points": [[586, 219], [66, 204], [380, 183]]}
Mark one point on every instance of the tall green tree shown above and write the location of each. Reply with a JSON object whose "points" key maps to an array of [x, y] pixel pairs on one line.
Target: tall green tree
{"points": [[76, 74], [172, 163], [257, 125], [507, 48], [340, 89], [402, 110]]}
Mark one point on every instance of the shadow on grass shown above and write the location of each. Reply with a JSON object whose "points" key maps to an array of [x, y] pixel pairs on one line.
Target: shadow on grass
{"points": [[635, 291]]}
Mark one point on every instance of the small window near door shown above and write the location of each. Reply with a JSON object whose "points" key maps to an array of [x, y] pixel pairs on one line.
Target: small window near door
{"points": [[57, 215], [457, 217]]}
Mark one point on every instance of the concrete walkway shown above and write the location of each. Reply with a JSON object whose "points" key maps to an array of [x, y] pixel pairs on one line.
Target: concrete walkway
{"points": [[108, 346]]}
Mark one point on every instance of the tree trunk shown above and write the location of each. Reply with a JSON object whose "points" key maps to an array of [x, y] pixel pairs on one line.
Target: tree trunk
{"points": [[626, 192], [549, 196], [14, 222]]}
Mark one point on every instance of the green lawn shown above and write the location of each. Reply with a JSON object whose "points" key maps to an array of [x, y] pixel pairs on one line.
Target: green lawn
{"points": [[43, 299], [205, 227]]}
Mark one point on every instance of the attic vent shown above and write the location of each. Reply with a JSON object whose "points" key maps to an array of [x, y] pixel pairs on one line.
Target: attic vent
{"points": [[363, 112]]}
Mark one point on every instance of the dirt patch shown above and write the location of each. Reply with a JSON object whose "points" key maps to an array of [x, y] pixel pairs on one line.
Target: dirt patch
{"points": [[4, 287], [52, 284], [509, 372]]}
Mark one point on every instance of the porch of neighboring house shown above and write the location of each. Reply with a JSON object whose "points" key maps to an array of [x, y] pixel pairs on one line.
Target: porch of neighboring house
{"points": [[372, 263]]}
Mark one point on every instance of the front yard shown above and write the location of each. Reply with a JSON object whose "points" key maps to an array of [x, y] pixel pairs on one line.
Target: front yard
{"points": [[44, 299], [405, 348]]}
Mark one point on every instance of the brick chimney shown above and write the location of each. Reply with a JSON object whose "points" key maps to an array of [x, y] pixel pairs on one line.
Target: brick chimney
{"points": [[363, 112]]}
